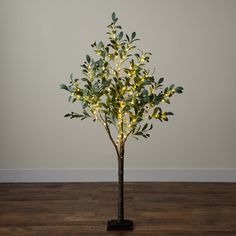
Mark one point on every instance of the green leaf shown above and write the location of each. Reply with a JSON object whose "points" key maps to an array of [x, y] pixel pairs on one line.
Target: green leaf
{"points": [[144, 92], [113, 41], [165, 118], [113, 17], [71, 76], [150, 127], [135, 40], [88, 58], [133, 35], [86, 113], [160, 80], [94, 44], [100, 44], [85, 105], [63, 86], [120, 35], [127, 36], [179, 90], [139, 133], [76, 115], [86, 80], [67, 115], [155, 110], [145, 126]]}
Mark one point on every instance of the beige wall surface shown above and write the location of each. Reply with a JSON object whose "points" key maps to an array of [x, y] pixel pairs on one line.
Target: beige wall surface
{"points": [[42, 42]]}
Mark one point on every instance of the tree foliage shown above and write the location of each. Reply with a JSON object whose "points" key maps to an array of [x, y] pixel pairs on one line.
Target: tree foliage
{"points": [[117, 88]]}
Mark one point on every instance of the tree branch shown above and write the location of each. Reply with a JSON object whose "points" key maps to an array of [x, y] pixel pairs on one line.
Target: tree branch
{"points": [[125, 139], [110, 136], [107, 128]]}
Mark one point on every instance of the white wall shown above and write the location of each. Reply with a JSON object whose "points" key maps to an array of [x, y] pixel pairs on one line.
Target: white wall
{"points": [[42, 42]]}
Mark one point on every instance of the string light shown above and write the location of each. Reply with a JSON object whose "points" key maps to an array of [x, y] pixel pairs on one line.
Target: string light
{"points": [[119, 116], [122, 104], [164, 115]]}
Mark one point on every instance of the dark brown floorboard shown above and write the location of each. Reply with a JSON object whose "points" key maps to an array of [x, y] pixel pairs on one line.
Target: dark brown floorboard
{"points": [[160, 209]]}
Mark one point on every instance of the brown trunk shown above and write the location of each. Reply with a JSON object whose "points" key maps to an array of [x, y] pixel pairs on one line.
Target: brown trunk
{"points": [[120, 223], [120, 215]]}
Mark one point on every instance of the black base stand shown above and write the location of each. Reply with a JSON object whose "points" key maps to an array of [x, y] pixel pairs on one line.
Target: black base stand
{"points": [[124, 225]]}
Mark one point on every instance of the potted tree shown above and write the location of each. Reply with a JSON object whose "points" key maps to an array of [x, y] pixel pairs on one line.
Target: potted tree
{"points": [[119, 91]]}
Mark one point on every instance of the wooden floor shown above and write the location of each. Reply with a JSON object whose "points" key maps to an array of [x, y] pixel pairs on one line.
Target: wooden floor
{"points": [[160, 209]]}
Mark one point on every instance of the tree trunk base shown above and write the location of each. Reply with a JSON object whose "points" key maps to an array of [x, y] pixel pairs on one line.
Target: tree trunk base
{"points": [[123, 225]]}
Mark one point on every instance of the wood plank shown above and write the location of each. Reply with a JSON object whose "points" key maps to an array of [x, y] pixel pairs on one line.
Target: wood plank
{"points": [[201, 209]]}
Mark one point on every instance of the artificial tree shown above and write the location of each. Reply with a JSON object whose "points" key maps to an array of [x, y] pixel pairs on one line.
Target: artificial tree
{"points": [[118, 90]]}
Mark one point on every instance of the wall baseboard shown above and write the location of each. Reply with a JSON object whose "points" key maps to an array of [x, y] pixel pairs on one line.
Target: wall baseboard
{"points": [[108, 175]]}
